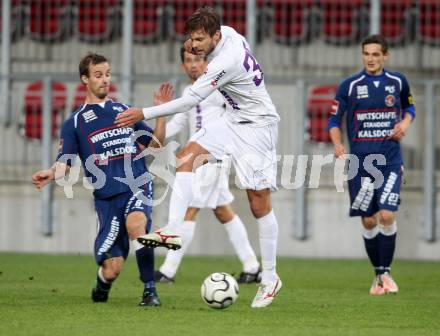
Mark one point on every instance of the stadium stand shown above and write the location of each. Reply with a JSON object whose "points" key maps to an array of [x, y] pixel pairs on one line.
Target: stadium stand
{"points": [[319, 105], [33, 109], [50, 20], [341, 20], [429, 22], [292, 21], [396, 22], [98, 21], [17, 20], [234, 14], [148, 25]]}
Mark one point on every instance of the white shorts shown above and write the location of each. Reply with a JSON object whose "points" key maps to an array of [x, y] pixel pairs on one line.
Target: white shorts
{"points": [[253, 150], [211, 186]]}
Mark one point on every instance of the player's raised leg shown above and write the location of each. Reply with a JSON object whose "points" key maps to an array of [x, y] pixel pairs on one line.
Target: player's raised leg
{"points": [[189, 158], [168, 269]]}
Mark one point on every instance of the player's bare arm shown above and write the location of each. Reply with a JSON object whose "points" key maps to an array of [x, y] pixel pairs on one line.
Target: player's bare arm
{"points": [[163, 95], [336, 137], [43, 177]]}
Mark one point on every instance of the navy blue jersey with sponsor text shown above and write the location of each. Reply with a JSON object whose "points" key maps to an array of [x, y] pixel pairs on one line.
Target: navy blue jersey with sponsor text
{"points": [[373, 105], [91, 133]]}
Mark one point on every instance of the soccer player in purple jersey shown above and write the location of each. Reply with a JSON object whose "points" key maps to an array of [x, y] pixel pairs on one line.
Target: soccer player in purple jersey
{"points": [[248, 134], [122, 214], [379, 109], [211, 185]]}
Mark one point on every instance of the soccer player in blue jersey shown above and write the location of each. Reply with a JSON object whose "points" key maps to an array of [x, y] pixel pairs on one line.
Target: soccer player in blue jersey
{"points": [[103, 147], [378, 109]]}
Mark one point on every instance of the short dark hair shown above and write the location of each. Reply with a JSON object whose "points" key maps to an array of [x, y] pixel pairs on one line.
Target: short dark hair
{"points": [[90, 59], [204, 18], [376, 39]]}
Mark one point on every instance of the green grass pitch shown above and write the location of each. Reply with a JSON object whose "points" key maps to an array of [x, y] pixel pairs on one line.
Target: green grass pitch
{"points": [[50, 295]]}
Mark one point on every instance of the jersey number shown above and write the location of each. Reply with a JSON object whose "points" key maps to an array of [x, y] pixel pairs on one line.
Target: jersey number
{"points": [[248, 60]]}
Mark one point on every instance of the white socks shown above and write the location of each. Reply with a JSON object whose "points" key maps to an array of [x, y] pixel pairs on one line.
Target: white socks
{"points": [[101, 276], [388, 230], [136, 245], [181, 196], [370, 234], [268, 233], [238, 236], [173, 258]]}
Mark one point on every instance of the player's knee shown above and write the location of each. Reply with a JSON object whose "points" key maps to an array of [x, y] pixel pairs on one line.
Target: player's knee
{"points": [[259, 202], [111, 272], [259, 209], [369, 222], [224, 213], [386, 217]]}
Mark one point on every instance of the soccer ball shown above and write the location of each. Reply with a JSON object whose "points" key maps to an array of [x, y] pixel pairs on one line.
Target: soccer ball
{"points": [[219, 290]]}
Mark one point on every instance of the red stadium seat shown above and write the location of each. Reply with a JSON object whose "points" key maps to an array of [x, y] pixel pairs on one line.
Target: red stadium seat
{"points": [[292, 20], [429, 22], [80, 95], [50, 20], [17, 20], [341, 20], [395, 21], [319, 106], [234, 15], [181, 10], [148, 20], [33, 109], [99, 21]]}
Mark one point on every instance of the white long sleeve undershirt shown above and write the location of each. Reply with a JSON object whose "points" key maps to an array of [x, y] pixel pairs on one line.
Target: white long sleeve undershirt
{"points": [[179, 105]]}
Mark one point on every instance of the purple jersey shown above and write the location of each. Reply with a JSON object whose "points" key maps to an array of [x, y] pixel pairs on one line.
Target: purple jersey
{"points": [[91, 133], [373, 105]]}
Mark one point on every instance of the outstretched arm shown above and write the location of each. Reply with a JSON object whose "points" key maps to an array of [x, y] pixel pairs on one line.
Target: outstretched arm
{"points": [[43, 177], [133, 115]]}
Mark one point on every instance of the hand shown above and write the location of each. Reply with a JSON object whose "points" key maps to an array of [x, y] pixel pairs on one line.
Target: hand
{"points": [[164, 95], [187, 45], [42, 177], [340, 151], [398, 132], [129, 117]]}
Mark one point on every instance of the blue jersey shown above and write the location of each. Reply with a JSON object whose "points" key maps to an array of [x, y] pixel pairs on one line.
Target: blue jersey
{"points": [[91, 133], [373, 105]]}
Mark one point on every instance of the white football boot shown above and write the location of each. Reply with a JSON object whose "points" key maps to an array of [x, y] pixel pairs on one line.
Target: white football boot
{"points": [[164, 238], [266, 293]]}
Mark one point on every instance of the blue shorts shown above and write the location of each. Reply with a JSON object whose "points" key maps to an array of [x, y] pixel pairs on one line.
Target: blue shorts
{"points": [[112, 238], [366, 199]]}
